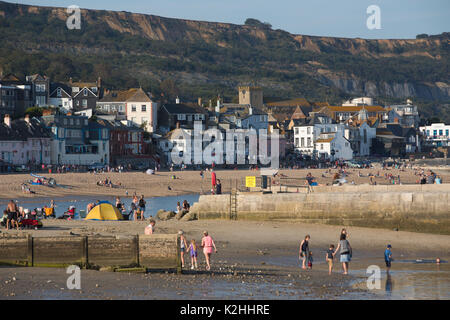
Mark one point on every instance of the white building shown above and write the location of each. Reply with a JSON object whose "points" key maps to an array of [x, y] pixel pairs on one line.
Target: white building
{"points": [[362, 101], [135, 104], [305, 135], [437, 134], [333, 146], [24, 142], [361, 136], [61, 99]]}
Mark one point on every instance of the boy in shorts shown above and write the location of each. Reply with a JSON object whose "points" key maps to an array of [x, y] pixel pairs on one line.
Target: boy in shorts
{"points": [[329, 258], [388, 257]]}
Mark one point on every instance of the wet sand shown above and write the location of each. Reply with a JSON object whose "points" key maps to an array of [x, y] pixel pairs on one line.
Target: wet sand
{"points": [[187, 182], [255, 260]]}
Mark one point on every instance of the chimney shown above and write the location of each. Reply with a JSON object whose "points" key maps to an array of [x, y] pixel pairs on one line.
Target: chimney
{"points": [[27, 118], [7, 120], [70, 80], [177, 100], [218, 105]]}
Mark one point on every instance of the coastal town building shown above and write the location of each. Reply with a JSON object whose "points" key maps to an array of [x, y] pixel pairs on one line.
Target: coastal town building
{"points": [[436, 134], [407, 115], [133, 105], [127, 144], [15, 96], [40, 89], [361, 101], [24, 142], [77, 141], [307, 134], [61, 98], [344, 113], [173, 115]]}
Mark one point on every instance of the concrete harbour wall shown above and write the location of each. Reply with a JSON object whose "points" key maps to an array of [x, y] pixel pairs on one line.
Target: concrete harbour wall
{"points": [[151, 252], [406, 208]]}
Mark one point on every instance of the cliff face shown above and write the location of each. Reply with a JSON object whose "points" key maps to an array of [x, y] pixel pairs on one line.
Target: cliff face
{"points": [[392, 68]]}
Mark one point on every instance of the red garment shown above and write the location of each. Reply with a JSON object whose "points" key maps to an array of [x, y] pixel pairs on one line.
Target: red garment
{"points": [[213, 179]]}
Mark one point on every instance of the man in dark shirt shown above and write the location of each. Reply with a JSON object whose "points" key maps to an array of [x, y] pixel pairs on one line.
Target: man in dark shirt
{"points": [[218, 187]]}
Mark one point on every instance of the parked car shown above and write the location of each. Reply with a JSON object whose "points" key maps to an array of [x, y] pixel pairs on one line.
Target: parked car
{"points": [[22, 168], [96, 166]]}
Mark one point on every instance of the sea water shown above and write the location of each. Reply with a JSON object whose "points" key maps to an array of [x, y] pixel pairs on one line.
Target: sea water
{"points": [[80, 203]]}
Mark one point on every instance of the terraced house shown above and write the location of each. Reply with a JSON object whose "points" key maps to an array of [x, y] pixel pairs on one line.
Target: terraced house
{"points": [[24, 142], [133, 105], [77, 141]]}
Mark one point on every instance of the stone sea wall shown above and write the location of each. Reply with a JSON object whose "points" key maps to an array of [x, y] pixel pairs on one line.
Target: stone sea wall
{"points": [[404, 207], [150, 252]]}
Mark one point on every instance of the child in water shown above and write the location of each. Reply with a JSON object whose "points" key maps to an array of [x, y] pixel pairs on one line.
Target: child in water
{"points": [[388, 257], [310, 260], [330, 257], [193, 254]]}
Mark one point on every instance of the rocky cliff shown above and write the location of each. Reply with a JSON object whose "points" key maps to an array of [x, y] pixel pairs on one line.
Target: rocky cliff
{"points": [[209, 54]]}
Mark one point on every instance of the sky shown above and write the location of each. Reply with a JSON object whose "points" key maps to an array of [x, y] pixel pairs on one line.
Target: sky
{"points": [[399, 19]]}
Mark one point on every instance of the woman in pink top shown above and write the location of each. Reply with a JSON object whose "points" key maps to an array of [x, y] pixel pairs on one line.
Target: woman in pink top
{"points": [[208, 245]]}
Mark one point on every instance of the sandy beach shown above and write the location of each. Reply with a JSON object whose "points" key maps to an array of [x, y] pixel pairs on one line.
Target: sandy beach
{"points": [[255, 260], [186, 182]]}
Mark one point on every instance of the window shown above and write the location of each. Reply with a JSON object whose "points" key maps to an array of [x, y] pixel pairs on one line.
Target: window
{"points": [[85, 92], [321, 146], [441, 132], [309, 142], [133, 108], [296, 130], [85, 103], [144, 108], [296, 142], [308, 131], [302, 142]]}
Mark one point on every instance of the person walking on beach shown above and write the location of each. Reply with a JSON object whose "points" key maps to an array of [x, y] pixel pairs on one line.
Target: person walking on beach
{"points": [[193, 254], [388, 257], [304, 250], [208, 245], [346, 252], [13, 215], [183, 246], [142, 204], [133, 209], [329, 258]]}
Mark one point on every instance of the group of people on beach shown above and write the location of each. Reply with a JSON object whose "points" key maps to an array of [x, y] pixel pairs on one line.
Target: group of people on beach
{"points": [[207, 244], [137, 207], [343, 248], [17, 217]]}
